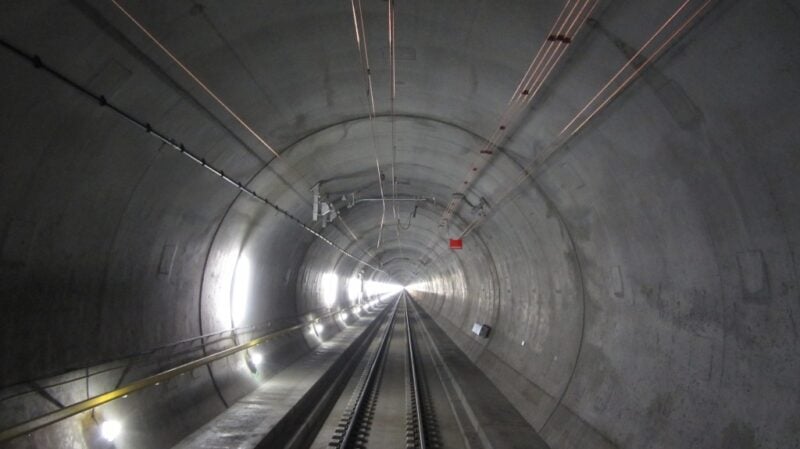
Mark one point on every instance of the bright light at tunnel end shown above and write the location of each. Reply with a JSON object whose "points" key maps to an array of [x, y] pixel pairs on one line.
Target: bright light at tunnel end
{"points": [[374, 288], [417, 286]]}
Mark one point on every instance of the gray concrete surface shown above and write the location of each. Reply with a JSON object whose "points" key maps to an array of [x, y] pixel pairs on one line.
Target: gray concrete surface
{"points": [[488, 420], [263, 417], [642, 287]]}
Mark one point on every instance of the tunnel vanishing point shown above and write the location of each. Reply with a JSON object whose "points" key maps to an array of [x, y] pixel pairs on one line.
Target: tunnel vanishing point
{"points": [[400, 224]]}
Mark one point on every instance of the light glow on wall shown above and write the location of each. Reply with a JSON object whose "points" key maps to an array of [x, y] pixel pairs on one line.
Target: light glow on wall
{"points": [[354, 289], [240, 291], [223, 287], [330, 286]]}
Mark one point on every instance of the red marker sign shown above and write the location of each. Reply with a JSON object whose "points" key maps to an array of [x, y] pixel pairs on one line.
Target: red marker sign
{"points": [[456, 244]]}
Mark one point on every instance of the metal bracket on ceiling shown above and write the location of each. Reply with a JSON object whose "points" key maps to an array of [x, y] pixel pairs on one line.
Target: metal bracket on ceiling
{"points": [[327, 209], [322, 208]]}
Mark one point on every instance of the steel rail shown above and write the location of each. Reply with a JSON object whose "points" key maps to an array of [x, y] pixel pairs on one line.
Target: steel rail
{"points": [[350, 433], [47, 419], [415, 383]]}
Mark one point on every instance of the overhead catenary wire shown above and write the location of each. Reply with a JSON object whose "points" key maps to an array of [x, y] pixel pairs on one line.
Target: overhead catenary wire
{"points": [[518, 93], [562, 32], [184, 67], [571, 129], [103, 102], [194, 77], [363, 53], [390, 8], [626, 65], [649, 60], [542, 71], [392, 93], [570, 32], [551, 51], [532, 168], [366, 250]]}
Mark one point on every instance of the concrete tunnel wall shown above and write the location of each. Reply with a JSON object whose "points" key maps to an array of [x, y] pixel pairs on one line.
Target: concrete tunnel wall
{"points": [[648, 266]]}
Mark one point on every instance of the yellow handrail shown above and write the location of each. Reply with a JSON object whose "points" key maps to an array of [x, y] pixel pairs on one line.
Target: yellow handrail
{"points": [[88, 404]]}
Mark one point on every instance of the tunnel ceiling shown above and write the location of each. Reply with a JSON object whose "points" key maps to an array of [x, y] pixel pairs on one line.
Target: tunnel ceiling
{"points": [[623, 174], [293, 83]]}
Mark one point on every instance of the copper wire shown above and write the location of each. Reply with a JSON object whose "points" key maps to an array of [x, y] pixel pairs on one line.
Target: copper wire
{"points": [[528, 170]]}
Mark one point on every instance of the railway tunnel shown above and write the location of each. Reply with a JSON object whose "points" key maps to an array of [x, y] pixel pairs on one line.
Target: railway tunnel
{"points": [[399, 223]]}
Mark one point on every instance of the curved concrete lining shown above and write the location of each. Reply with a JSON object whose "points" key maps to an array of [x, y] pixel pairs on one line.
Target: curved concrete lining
{"points": [[641, 283]]}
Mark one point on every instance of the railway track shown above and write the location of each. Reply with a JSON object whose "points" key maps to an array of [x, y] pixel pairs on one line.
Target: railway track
{"points": [[387, 402]]}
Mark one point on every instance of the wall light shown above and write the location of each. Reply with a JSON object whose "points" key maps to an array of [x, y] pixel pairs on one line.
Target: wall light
{"points": [[252, 359], [110, 430]]}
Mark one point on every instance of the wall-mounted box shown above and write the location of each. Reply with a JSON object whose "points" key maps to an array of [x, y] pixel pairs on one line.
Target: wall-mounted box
{"points": [[481, 330]]}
